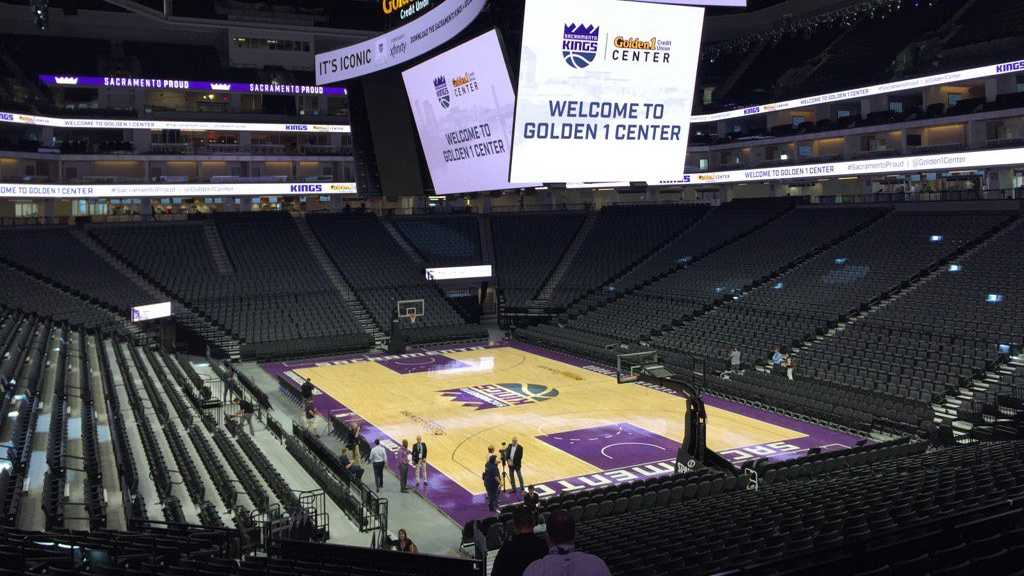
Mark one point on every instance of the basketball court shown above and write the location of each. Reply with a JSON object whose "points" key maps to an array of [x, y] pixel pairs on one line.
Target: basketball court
{"points": [[578, 426]]}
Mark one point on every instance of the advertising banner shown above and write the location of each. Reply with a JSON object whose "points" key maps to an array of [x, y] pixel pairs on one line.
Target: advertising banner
{"points": [[127, 124], [605, 91], [930, 163], [172, 190], [463, 102], [888, 88], [201, 85], [400, 45]]}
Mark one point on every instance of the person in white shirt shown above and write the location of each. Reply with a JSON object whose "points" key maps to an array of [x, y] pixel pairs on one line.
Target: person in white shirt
{"points": [[562, 558], [378, 457]]}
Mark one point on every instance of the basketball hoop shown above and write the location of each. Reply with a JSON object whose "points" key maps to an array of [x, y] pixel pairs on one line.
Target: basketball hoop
{"points": [[411, 310]]}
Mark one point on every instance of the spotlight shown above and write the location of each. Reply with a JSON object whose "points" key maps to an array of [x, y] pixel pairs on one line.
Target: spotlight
{"points": [[41, 11]]}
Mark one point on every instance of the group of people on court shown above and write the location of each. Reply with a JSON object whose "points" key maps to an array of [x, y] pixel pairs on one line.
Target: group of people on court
{"points": [[525, 553], [415, 459], [511, 466]]}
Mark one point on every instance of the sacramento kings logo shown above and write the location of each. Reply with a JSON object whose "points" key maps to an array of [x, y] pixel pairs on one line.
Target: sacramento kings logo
{"points": [[489, 396], [444, 98], [579, 44]]}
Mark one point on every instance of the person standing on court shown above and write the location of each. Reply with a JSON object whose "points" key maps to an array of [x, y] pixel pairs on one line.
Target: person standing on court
{"points": [[515, 460], [419, 461], [378, 457], [562, 558], [403, 464], [490, 477], [520, 550]]}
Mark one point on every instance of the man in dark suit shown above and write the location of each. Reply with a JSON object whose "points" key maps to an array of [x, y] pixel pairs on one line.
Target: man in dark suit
{"points": [[515, 464], [521, 549]]}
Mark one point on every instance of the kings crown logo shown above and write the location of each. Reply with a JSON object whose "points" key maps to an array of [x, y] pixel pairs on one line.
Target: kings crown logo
{"points": [[444, 98], [579, 44], [490, 396]]}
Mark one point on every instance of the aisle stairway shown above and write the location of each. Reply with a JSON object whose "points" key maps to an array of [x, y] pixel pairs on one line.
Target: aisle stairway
{"points": [[544, 295], [403, 243], [218, 253], [359, 312], [486, 239], [216, 336], [775, 276], [947, 409]]}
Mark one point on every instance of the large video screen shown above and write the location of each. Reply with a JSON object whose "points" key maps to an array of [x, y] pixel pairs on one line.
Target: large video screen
{"points": [[605, 91], [729, 3], [462, 102]]}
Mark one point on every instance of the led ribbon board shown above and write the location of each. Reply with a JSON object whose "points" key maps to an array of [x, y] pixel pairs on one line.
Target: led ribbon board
{"points": [[151, 312], [930, 163], [173, 190], [605, 91], [459, 272], [201, 85], [729, 3], [119, 124], [400, 45], [899, 86]]}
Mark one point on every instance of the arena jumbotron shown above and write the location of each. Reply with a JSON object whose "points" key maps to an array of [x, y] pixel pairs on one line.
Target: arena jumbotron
{"points": [[468, 287]]}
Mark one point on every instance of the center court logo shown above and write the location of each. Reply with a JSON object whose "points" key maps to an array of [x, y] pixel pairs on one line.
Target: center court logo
{"points": [[444, 97], [579, 44], [490, 396]]}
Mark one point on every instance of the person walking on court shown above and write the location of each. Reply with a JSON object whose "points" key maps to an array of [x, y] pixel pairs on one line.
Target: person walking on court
{"points": [[419, 461], [378, 457], [562, 558], [520, 550], [490, 477], [403, 464], [515, 464]]}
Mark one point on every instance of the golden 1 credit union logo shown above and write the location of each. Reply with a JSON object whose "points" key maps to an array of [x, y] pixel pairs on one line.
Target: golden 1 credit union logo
{"points": [[405, 8], [464, 84], [634, 49]]}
